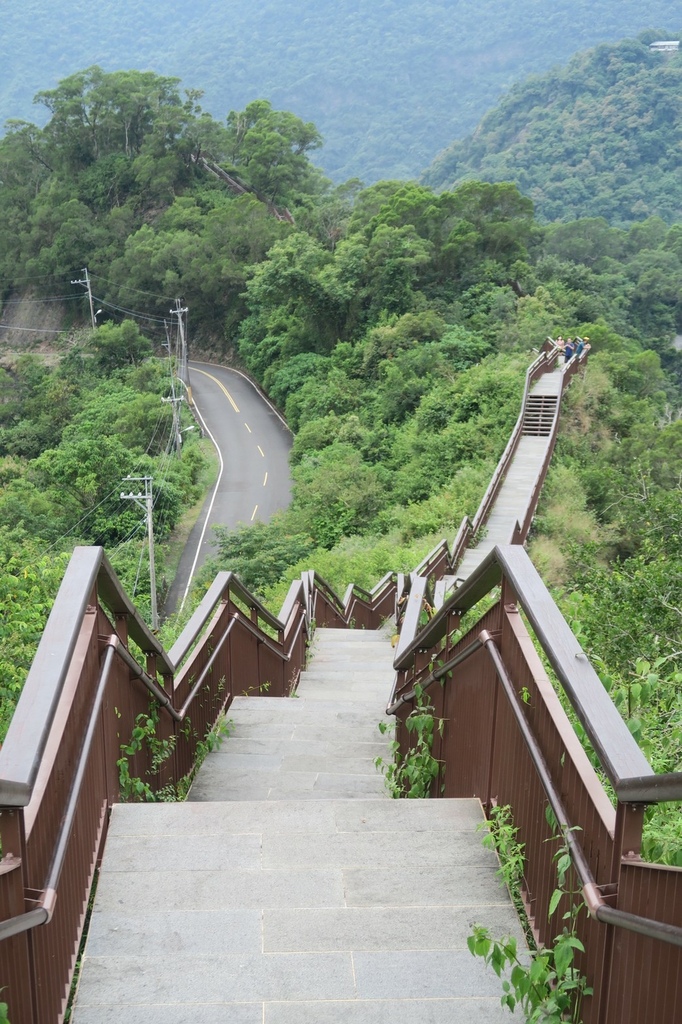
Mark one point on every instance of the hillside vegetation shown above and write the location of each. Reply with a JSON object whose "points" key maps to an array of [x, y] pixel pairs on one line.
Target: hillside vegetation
{"points": [[388, 84], [601, 137], [392, 324]]}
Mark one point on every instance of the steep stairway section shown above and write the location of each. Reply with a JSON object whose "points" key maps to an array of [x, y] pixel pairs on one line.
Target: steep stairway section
{"points": [[291, 890], [321, 743], [522, 475]]}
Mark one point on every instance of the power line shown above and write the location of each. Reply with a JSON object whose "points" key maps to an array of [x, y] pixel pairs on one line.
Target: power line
{"points": [[119, 318], [35, 330], [36, 277], [36, 302], [131, 312], [82, 519], [130, 288], [130, 536], [139, 566]]}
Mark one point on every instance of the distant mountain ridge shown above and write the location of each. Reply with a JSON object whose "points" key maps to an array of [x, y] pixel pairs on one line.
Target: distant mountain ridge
{"points": [[601, 137], [389, 84]]}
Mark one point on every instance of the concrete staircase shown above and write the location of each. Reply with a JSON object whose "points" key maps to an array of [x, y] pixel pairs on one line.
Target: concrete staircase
{"points": [[513, 497], [290, 889]]}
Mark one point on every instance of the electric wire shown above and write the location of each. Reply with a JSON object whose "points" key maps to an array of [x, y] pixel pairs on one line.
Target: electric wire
{"points": [[35, 330], [142, 522], [139, 566], [9, 281], [82, 519], [37, 302], [149, 328], [131, 288], [131, 312]]}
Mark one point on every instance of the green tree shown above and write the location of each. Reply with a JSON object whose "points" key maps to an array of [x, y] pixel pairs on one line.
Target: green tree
{"points": [[116, 345], [269, 148]]}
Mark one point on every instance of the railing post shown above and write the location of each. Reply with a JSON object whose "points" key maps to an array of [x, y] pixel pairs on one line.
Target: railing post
{"points": [[454, 618], [627, 841], [150, 664], [19, 973], [122, 627]]}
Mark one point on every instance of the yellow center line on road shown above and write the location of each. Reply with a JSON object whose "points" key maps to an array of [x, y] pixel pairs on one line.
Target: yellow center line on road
{"points": [[254, 513], [248, 427], [261, 450], [265, 480], [221, 386]]}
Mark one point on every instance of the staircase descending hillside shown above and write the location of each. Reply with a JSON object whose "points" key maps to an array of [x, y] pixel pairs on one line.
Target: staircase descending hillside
{"points": [[291, 889]]}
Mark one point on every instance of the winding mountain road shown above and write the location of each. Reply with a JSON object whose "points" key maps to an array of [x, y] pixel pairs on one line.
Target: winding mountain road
{"points": [[253, 444]]}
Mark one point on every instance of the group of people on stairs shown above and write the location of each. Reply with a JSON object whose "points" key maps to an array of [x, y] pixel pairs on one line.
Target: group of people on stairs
{"points": [[573, 346]]}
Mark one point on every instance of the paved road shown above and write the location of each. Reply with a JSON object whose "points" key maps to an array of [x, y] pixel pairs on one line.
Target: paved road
{"points": [[254, 480]]}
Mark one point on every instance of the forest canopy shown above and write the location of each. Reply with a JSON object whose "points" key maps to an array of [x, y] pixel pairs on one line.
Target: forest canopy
{"points": [[388, 84], [601, 137]]}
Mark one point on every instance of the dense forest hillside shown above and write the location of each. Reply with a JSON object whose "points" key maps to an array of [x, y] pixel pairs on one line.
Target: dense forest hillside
{"points": [[392, 324], [601, 137], [388, 84]]}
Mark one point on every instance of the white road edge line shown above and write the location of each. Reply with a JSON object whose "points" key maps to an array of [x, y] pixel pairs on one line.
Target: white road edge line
{"points": [[254, 513], [210, 507]]}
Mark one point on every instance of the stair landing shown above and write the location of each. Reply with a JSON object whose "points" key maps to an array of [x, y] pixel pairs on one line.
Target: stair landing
{"points": [[332, 906]]}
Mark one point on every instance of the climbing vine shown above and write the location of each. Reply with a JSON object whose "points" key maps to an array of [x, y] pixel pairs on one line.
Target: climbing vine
{"points": [[546, 984], [144, 735], [414, 773]]}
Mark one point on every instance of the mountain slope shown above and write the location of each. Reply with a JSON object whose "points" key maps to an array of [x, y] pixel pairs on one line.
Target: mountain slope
{"points": [[388, 84], [599, 138]]}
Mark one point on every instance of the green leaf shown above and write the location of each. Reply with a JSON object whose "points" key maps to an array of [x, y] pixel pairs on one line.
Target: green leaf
{"points": [[563, 957], [554, 901]]}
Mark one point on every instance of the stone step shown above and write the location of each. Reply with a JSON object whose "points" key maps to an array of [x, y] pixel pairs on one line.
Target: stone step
{"points": [[335, 912], [308, 745], [289, 888]]}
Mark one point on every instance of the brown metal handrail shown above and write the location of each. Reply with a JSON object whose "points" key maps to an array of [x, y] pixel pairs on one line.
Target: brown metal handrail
{"points": [[671, 789], [613, 743], [594, 900], [43, 839], [617, 750], [225, 582], [42, 914]]}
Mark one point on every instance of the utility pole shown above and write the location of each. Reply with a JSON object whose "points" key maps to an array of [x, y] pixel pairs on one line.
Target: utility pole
{"points": [[182, 355], [145, 502], [175, 401], [86, 284]]}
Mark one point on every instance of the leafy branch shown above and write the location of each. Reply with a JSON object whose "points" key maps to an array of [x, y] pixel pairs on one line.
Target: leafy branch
{"points": [[545, 983], [414, 773]]}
